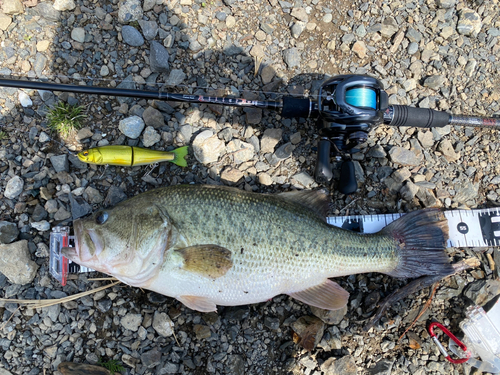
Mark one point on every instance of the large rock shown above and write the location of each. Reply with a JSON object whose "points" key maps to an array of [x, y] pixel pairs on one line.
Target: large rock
{"points": [[162, 324], [16, 263], [12, 7], [469, 22], [132, 126], [132, 36], [14, 187], [158, 58], [153, 117], [8, 232], [207, 148], [5, 21], [62, 5], [130, 10]]}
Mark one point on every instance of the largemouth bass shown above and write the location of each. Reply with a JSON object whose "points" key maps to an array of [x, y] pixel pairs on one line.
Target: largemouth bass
{"points": [[132, 156], [215, 245]]}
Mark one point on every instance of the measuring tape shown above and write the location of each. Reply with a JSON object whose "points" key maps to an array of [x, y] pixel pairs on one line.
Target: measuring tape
{"points": [[467, 228]]}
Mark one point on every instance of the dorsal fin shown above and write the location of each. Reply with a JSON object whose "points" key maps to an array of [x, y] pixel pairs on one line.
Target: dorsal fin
{"points": [[314, 200]]}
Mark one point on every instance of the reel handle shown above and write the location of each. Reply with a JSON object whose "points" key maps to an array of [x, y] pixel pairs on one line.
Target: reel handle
{"points": [[323, 171], [347, 182]]}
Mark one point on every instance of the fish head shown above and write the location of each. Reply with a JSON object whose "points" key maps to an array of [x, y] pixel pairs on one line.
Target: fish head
{"points": [[92, 156], [127, 242]]}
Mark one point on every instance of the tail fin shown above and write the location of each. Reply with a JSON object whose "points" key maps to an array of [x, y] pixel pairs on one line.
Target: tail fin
{"points": [[180, 154], [421, 236]]}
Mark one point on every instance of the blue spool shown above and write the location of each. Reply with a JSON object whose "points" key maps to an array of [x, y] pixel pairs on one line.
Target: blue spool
{"points": [[362, 97]]}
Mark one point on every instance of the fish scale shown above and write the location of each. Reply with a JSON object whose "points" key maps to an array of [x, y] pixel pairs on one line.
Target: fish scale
{"points": [[215, 245]]}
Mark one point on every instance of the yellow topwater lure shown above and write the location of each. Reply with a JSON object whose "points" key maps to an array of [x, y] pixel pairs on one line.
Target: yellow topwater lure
{"points": [[132, 156]]}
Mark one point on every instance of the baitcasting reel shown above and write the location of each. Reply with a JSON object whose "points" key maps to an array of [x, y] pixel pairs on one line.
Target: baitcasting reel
{"points": [[349, 106]]}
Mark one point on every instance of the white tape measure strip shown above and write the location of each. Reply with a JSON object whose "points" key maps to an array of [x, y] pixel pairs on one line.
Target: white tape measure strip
{"points": [[467, 228]]}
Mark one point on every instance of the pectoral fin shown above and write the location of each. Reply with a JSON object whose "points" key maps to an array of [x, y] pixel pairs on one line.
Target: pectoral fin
{"points": [[328, 295], [207, 260], [201, 304]]}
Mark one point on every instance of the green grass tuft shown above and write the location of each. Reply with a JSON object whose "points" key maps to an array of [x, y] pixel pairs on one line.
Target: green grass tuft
{"points": [[112, 365], [65, 118], [3, 135]]}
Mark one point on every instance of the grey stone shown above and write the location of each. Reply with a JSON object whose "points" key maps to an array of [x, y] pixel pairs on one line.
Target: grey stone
{"points": [[292, 57], [428, 198], [44, 137], [132, 126], [466, 192], [150, 137], [78, 34], [60, 162], [130, 10], [446, 3], [303, 178], [402, 156], [151, 358], [39, 213], [40, 63], [409, 191], [176, 77], [413, 35], [162, 324], [284, 151], [132, 36], [79, 208], [382, 367], [149, 29], [153, 117], [297, 29], [46, 10], [435, 82], [16, 263], [187, 132], [8, 232], [14, 187], [412, 48], [469, 22], [241, 151], [114, 196], [300, 14], [389, 27], [131, 321], [41, 226], [93, 196], [342, 366], [377, 151], [253, 115], [207, 147], [330, 316], [158, 59]]}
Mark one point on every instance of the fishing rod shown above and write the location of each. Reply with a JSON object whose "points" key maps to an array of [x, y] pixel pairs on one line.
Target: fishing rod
{"points": [[346, 109]]}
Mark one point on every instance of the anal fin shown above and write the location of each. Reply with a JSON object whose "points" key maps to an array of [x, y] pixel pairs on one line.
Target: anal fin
{"points": [[201, 304], [329, 296]]}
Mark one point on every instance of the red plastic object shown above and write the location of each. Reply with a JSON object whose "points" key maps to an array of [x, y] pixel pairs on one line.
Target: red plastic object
{"points": [[451, 336]]}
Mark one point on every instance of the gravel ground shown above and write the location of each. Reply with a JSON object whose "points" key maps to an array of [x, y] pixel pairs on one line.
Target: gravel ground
{"points": [[440, 54]]}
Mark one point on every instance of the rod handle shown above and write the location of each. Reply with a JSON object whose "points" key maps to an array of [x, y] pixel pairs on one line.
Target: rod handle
{"points": [[418, 117]]}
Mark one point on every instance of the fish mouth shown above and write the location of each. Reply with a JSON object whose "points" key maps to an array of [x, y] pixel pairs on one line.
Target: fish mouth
{"points": [[87, 244]]}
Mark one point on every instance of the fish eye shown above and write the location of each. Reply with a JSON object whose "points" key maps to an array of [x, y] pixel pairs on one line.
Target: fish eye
{"points": [[101, 218], [85, 153]]}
